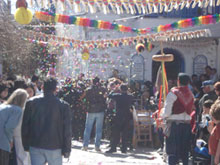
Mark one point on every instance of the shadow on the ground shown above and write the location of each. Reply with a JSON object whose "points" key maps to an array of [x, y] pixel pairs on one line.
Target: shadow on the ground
{"points": [[148, 157], [80, 147], [138, 154]]}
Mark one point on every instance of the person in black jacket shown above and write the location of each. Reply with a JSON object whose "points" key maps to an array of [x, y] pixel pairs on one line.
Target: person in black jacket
{"points": [[124, 102], [96, 105], [46, 127]]}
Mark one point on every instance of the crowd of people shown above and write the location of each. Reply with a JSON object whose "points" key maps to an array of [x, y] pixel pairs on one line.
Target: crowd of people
{"points": [[39, 119], [190, 119]]}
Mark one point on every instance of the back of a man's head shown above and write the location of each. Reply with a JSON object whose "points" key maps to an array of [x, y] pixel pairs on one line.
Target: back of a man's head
{"points": [[34, 78], [124, 88], [184, 79], [95, 81], [50, 84], [208, 67], [194, 76], [19, 83], [117, 82]]}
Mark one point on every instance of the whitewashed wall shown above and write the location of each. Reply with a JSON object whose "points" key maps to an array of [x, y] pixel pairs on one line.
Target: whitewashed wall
{"points": [[119, 58], [189, 51]]}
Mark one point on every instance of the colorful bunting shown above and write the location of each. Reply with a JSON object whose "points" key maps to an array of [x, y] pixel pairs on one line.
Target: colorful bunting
{"points": [[99, 24], [54, 41]]}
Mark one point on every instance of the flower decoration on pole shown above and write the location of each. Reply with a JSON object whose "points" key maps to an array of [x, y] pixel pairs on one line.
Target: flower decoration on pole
{"points": [[23, 15], [164, 87]]}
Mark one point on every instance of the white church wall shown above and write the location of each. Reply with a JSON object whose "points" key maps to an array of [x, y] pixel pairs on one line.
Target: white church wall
{"points": [[103, 61]]}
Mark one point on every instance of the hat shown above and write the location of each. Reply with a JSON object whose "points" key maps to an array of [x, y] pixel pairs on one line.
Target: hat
{"points": [[206, 83]]}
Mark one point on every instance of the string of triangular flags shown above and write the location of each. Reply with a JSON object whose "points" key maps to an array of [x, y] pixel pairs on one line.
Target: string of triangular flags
{"points": [[100, 24], [123, 6], [57, 42]]}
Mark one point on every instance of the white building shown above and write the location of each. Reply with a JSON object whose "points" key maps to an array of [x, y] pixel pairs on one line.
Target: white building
{"points": [[190, 56]]}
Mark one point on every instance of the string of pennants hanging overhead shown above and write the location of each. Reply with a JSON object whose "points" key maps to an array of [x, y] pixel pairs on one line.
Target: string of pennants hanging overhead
{"points": [[55, 41], [100, 24], [123, 6]]}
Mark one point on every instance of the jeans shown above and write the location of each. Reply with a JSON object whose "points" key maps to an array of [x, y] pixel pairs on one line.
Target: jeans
{"points": [[90, 119], [178, 143], [43, 156]]}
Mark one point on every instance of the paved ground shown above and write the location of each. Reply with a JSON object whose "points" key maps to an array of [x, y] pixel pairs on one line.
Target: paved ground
{"points": [[140, 156]]}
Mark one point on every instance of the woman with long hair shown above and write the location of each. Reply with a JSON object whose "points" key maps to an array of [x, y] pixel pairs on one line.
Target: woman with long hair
{"points": [[22, 157], [10, 116]]}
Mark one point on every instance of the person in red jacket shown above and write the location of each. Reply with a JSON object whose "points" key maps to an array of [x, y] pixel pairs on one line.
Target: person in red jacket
{"points": [[177, 109]]}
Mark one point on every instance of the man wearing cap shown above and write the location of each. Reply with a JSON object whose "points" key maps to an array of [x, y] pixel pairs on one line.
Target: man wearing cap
{"points": [[209, 94], [177, 109]]}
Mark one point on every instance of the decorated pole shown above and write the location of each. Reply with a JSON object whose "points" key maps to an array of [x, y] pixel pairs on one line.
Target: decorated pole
{"points": [[164, 89]]}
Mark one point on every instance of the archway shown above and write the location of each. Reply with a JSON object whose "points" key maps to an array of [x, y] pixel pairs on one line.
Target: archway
{"points": [[172, 68]]}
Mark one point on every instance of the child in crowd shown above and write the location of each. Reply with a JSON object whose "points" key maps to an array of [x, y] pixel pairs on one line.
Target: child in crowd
{"points": [[214, 129]]}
